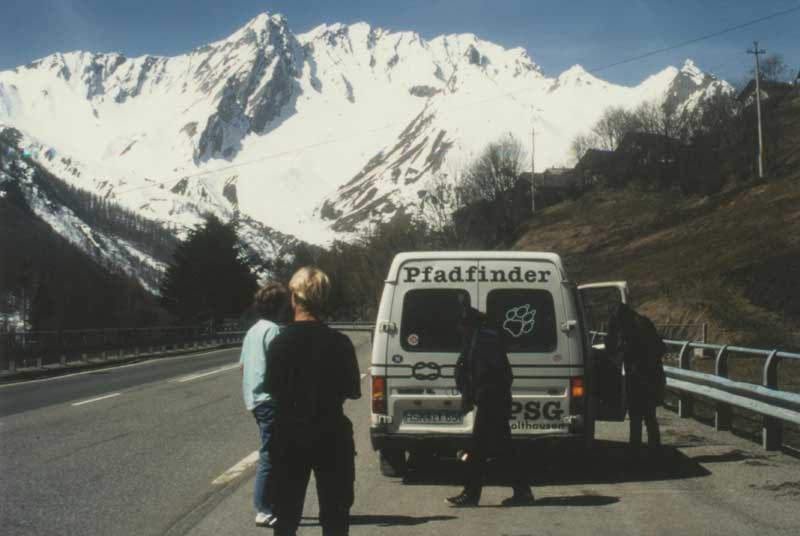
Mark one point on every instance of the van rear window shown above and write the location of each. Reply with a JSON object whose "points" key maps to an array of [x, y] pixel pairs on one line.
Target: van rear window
{"points": [[526, 318], [430, 320]]}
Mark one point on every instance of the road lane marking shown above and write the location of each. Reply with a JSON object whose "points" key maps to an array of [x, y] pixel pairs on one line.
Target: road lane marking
{"points": [[111, 367], [237, 469], [191, 377], [112, 395]]}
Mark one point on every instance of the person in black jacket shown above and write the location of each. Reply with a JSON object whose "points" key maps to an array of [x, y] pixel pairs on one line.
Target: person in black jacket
{"points": [[483, 377], [635, 337], [312, 370]]}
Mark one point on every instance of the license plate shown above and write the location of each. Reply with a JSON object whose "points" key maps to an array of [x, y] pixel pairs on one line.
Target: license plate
{"points": [[433, 417]]}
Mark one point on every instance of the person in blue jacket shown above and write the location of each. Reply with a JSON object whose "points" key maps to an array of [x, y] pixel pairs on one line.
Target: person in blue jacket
{"points": [[269, 303]]}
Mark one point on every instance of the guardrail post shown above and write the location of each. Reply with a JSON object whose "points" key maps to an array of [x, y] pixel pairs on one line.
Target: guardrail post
{"points": [[722, 415], [63, 360], [39, 362], [685, 399], [772, 429]]}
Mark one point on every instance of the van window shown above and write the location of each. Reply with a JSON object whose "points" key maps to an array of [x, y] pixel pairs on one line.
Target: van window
{"points": [[526, 318], [599, 304], [430, 320]]}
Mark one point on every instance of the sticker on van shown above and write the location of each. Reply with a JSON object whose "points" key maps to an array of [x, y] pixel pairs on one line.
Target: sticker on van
{"points": [[519, 320]]}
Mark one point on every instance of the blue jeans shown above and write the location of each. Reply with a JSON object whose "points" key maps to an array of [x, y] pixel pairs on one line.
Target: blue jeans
{"points": [[262, 498]]}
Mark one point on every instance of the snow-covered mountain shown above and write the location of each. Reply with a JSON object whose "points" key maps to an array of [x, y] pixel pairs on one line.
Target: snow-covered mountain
{"points": [[312, 134], [140, 249]]}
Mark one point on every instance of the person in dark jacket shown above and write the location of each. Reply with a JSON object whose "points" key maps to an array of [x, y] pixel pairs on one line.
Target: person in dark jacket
{"points": [[312, 370], [483, 377], [635, 338]]}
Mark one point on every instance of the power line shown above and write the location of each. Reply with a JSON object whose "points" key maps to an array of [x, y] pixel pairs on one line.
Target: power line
{"points": [[460, 107], [696, 39]]}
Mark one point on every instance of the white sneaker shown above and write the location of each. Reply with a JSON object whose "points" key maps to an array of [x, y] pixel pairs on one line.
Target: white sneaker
{"points": [[262, 519]]}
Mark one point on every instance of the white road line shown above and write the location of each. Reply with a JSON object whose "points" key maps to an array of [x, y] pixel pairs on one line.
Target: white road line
{"points": [[112, 395], [237, 469], [204, 374], [146, 361]]}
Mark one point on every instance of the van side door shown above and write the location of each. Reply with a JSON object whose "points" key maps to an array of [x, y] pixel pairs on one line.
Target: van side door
{"points": [[598, 301]]}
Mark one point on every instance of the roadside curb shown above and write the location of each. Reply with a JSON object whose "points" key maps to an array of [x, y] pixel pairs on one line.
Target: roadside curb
{"points": [[21, 376]]}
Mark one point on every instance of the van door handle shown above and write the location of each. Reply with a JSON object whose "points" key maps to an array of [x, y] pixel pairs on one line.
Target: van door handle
{"points": [[569, 325], [387, 327]]}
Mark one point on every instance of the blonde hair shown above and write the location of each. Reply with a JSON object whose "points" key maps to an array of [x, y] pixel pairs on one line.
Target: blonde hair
{"points": [[310, 287]]}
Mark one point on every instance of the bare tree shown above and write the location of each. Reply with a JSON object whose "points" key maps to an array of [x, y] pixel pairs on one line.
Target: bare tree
{"points": [[491, 180], [773, 69], [495, 171], [613, 125], [582, 143], [439, 203]]}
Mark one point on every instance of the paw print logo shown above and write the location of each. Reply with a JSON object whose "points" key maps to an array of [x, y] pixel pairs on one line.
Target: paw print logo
{"points": [[519, 320]]}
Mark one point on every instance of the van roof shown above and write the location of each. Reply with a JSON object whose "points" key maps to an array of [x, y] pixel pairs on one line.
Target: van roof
{"points": [[407, 256]]}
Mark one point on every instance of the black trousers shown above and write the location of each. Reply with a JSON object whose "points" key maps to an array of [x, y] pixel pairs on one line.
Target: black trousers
{"points": [[515, 468], [331, 458], [646, 413]]}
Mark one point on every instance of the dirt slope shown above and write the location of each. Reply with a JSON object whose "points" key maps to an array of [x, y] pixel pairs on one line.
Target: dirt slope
{"points": [[732, 259]]}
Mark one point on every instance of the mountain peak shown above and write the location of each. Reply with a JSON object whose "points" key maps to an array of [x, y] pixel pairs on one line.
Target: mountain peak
{"points": [[576, 74], [259, 28], [691, 70]]}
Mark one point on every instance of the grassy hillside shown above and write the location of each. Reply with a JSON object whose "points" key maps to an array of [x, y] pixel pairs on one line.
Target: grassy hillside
{"points": [[731, 259]]}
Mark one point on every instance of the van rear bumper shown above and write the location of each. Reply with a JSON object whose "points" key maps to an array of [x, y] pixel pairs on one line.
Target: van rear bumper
{"points": [[383, 440]]}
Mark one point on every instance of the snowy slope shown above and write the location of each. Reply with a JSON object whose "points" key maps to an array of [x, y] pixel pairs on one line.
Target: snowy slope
{"points": [[312, 134], [113, 251]]}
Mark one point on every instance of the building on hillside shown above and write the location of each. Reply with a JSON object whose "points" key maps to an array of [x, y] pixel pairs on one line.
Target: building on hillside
{"points": [[769, 90], [647, 149], [595, 166]]}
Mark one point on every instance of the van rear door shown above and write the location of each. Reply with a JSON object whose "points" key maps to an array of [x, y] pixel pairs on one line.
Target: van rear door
{"points": [[608, 386], [425, 343], [523, 300]]}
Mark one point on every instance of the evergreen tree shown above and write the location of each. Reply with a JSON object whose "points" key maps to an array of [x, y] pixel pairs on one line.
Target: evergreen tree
{"points": [[207, 277]]}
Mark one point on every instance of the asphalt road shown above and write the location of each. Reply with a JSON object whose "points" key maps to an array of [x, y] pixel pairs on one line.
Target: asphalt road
{"points": [[172, 454]]}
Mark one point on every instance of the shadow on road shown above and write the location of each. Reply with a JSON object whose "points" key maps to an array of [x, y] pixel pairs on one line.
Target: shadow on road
{"points": [[572, 500], [383, 520], [611, 462]]}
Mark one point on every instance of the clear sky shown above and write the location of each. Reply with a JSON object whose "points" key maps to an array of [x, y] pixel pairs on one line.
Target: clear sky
{"points": [[556, 33]]}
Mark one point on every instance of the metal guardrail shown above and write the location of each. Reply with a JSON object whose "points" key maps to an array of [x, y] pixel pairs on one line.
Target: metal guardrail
{"points": [[41, 349], [57, 348], [775, 406]]}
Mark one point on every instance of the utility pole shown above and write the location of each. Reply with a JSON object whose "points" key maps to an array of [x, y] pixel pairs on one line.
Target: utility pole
{"points": [[755, 52], [533, 171]]}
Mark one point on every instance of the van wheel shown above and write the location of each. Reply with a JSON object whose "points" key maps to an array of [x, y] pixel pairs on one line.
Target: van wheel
{"points": [[588, 438], [392, 462]]}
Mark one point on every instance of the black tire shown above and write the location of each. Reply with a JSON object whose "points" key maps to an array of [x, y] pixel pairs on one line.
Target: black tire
{"points": [[392, 462], [588, 437], [421, 459]]}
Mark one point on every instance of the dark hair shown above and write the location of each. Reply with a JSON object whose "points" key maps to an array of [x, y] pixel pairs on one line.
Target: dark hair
{"points": [[471, 317], [270, 299]]}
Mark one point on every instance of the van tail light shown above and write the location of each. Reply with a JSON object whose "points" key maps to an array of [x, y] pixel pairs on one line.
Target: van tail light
{"points": [[577, 395], [379, 395]]}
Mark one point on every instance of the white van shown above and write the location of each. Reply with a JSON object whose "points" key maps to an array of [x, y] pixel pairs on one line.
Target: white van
{"points": [[562, 384]]}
